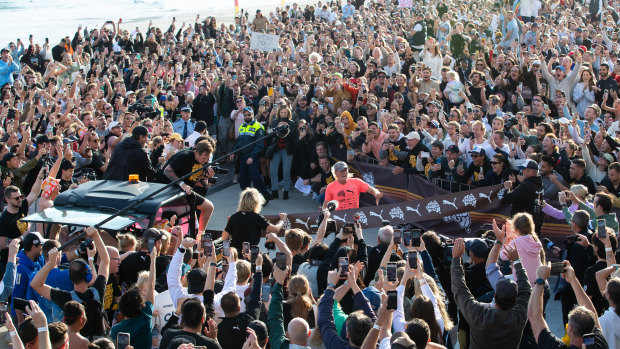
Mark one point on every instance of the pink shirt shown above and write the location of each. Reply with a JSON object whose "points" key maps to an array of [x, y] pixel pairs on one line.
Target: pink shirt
{"points": [[348, 194], [374, 145]]}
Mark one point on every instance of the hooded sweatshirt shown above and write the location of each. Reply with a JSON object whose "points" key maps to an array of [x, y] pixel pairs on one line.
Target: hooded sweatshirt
{"points": [[529, 253]]}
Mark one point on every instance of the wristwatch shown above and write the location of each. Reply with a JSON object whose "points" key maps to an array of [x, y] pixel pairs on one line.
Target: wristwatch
{"points": [[181, 249], [540, 281]]}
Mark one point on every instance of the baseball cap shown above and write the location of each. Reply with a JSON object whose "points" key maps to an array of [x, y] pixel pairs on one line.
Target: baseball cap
{"points": [[453, 148], [41, 139], [529, 163], [186, 108], [129, 93], [433, 124], [478, 247], [374, 297], [413, 135], [175, 137], [436, 103], [248, 109], [560, 67], [371, 105], [340, 165], [478, 150], [196, 281], [113, 124], [506, 289], [608, 157], [32, 239]]}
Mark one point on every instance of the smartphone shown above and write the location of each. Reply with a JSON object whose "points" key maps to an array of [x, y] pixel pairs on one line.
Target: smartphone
{"points": [[391, 271], [20, 304], [122, 340], [406, 237], [601, 228], [224, 266], [391, 301], [254, 250], [589, 341], [416, 234], [343, 262], [397, 234], [557, 268], [270, 245], [207, 243], [266, 292], [225, 248], [413, 259], [151, 243], [246, 247], [195, 255], [3, 308], [281, 260]]}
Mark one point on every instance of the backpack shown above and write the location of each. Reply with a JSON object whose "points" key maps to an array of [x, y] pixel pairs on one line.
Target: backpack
{"points": [[96, 318]]}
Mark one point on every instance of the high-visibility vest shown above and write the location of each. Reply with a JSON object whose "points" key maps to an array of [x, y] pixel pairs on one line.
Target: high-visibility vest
{"points": [[250, 130]]}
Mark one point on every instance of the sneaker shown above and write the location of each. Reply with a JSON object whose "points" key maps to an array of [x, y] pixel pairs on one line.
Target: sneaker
{"points": [[285, 195], [235, 179]]}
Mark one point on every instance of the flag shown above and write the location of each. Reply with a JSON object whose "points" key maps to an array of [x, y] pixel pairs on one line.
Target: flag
{"points": [[517, 7], [236, 7]]}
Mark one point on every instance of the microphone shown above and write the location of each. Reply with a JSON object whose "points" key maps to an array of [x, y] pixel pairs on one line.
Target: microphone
{"points": [[332, 205]]}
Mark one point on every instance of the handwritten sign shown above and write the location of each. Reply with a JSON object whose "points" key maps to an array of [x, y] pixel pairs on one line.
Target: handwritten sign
{"points": [[264, 42], [406, 3]]}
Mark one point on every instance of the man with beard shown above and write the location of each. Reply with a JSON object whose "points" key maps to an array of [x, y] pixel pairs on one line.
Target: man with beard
{"points": [[478, 90], [604, 84], [551, 180], [391, 150], [322, 179]]}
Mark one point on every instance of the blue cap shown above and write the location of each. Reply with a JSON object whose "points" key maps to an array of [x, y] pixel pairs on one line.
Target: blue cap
{"points": [[248, 109]]}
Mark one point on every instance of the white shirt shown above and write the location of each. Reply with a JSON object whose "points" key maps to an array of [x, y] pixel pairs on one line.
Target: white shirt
{"points": [[610, 324], [163, 304], [191, 139]]}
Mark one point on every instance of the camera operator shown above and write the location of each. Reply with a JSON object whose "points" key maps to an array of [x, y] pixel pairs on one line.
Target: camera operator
{"points": [[185, 162], [375, 254]]}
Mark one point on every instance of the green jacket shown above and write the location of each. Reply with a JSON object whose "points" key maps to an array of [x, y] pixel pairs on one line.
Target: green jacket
{"points": [[611, 220], [275, 319], [19, 174]]}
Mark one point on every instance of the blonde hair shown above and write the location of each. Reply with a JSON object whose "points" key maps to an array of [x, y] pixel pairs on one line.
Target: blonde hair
{"points": [[127, 242], [143, 278], [299, 296], [439, 296], [244, 268], [580, 190], [250, 200]]}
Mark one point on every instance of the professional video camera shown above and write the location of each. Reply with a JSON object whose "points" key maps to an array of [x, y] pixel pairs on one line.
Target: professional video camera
{"points": [[143, 111]]}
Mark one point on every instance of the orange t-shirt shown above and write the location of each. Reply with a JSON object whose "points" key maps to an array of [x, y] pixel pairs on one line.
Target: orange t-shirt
{"points": [[348, 194]]}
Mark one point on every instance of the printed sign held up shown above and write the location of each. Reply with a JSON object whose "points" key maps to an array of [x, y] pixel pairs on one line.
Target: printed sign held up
{"points": [[264, 42], [406, 3]]}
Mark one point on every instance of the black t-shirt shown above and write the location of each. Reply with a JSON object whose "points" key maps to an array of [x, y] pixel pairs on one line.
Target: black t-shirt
{"points": [[96, 162], [183, 162], [548, 340], [61, 297], [12, 227], [112, 290], [64, 185], [587, 181], [591, 287], [135, 263], [245, 227], [197, 339]]}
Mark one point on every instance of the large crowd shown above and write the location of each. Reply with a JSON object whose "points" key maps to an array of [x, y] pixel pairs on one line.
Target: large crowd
{"points": [[521, 94]]}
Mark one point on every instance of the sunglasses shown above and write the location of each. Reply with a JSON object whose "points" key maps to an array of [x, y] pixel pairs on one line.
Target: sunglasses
{"points": [[247, 114], [476, 156], [495, 162]]}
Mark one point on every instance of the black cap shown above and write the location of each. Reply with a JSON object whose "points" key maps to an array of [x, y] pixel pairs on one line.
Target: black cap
{"points": [[30, 240], [478, 247], [41, 139], [196, 281]]}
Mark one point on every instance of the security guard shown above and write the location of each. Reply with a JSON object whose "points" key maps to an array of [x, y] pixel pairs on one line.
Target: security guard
{"points": [[249, 168]]}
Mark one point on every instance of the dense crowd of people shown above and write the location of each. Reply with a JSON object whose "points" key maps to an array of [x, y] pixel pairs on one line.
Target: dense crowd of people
{"points": [[521, 94]]}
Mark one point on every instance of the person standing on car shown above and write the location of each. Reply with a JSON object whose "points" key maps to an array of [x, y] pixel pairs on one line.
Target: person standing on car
{"points": [[130, 157]]}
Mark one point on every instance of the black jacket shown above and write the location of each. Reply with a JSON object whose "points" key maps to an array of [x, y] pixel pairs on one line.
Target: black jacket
{"points": [[129, 157], [524, 195], [231, 331]]}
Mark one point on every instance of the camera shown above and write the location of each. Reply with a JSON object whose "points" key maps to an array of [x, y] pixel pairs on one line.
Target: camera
{"points": [[143, 111]]}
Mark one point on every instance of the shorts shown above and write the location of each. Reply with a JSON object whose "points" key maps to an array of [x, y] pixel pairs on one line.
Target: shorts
{"points": [[196, 198]]}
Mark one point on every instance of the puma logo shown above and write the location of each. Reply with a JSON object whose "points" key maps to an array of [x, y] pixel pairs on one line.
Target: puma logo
{"points": [[416, 210], [451, 203]]}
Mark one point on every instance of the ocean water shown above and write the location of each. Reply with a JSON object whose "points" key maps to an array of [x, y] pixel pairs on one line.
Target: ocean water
{"points": [[55, 19]]}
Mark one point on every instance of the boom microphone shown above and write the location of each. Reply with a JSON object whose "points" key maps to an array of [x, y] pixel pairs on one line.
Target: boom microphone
{"points": [[332, 205]]}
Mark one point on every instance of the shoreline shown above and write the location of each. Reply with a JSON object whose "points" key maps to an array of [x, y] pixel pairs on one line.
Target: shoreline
{"points": [[130, 21]]}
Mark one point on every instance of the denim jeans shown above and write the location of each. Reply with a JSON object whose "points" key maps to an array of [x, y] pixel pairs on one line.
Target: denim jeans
{"points": [[281, 156]]}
